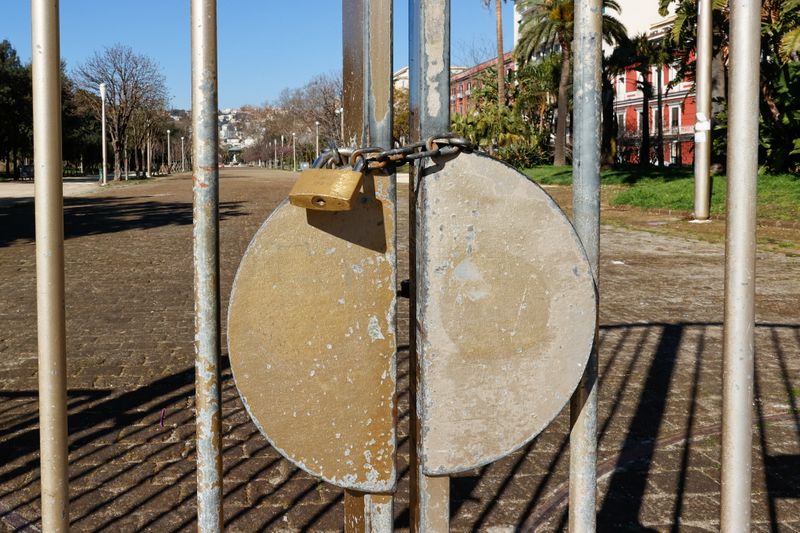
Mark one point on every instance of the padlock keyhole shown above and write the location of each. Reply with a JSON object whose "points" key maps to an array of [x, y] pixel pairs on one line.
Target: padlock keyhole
{"points": [[318, 201]]}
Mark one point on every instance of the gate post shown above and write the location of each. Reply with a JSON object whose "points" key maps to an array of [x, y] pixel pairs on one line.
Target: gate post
{"points": [[702, 135], [206, 264], [367, 38], [740, 262], [586, 208], [429, 103], [50, 316]]}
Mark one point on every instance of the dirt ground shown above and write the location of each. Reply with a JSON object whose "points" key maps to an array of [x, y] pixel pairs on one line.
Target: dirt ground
{"points": [[772, 235], [131, 375]]}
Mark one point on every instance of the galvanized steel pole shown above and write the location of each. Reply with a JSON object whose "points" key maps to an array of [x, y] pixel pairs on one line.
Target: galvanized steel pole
{"points": [[740, 262], [429, 103], [104, 177], [586, 208], [206, 264], [367, 63], [702, 126], [169, 153], [49, 205]]}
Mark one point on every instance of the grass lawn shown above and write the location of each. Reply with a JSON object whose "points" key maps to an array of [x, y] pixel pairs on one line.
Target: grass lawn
{"points": [[778, 194]]}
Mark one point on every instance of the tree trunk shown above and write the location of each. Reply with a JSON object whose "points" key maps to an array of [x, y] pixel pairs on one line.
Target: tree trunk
{"points": [[608, 132], [644, 149], [660, 119], [501, 65], [560, 155], [117, 149]]}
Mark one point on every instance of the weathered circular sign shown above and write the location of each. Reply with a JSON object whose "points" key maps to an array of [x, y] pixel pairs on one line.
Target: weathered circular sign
{"points": [[311, 336], [507, 311]]}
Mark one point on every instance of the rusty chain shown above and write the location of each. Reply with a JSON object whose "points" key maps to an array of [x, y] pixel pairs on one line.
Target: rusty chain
{"points": [[376, 158]]}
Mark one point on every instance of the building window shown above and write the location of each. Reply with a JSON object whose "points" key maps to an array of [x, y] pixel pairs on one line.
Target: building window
{"points": [[639, 120], [672, 73], [621, 123], [621, 87], [675, 117]]}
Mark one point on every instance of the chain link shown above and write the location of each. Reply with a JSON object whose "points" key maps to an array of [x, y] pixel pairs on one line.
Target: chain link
{"points": [[376, 158]]}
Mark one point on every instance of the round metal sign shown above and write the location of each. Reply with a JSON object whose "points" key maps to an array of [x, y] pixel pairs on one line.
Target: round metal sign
{"points": [[507, 311], [311, 336]]}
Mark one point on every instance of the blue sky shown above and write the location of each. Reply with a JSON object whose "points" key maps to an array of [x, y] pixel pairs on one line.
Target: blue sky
{"points": [[264, 45]]}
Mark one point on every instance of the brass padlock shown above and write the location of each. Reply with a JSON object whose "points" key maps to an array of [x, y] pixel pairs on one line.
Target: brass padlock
{"points": [[326, 189]]}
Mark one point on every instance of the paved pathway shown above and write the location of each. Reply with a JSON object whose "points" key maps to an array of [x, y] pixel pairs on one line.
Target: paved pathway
{"points": [[11, 191], [129, 311]]}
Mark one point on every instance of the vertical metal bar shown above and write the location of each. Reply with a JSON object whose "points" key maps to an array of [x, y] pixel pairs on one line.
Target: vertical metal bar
{"points": [[740, 262], [354, 25], [51, 327], [702, 127], [206, 264], [429, 102], [104, 177], [367, 35], [149, 172], [586, 208]]}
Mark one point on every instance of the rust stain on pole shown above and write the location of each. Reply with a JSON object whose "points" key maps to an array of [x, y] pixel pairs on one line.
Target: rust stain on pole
{"points": [[206, 264], [353, 59], [367, 513], [367, 62], [429, 103], [49, 205]]}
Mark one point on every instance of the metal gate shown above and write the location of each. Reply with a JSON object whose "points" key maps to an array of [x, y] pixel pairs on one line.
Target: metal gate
{"points": [[455, 256]]}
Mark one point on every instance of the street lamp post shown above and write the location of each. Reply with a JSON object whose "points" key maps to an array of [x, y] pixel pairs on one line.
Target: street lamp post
{"points": [[169, 154], [294, 152], [316, 123], [275, 158], [282, 145], [103, 179], [340, 112], [183, 157], [149, 171]]}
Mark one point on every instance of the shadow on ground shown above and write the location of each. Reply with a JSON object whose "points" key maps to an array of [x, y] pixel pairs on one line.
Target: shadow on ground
{"points": [[135, 450], [97, 215]]}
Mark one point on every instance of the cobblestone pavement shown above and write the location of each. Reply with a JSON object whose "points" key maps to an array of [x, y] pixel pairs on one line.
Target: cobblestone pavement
{"points": [[130, 329]]}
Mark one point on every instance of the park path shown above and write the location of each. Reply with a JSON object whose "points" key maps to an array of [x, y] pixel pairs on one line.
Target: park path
{"points": [[130, 329]]}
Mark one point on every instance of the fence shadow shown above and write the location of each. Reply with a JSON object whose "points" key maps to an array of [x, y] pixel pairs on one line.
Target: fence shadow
{"points": [[132, 453]]}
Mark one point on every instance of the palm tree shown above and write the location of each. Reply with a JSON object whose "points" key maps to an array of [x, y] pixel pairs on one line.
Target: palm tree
{"points": [[501, 70], [548, 24], [642, 53]]}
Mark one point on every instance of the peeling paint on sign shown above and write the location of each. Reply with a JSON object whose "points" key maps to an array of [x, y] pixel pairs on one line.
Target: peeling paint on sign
{"points": [[507, 310], [312, 339]]}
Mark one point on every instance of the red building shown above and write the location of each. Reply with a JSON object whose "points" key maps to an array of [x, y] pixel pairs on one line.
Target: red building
{"points": [[463, 82], [677, 112]]}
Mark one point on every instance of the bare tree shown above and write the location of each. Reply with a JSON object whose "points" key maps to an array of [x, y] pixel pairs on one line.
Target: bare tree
{"points": [[297, 111], [133, 83], [474, 52]]}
